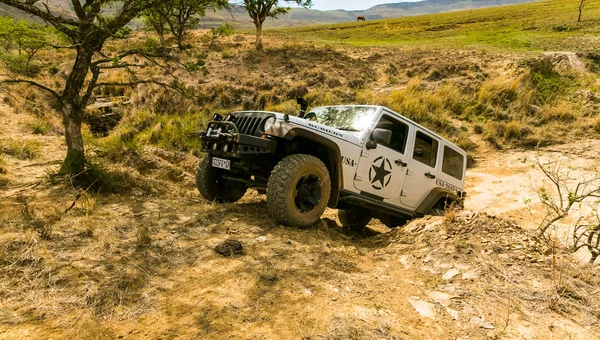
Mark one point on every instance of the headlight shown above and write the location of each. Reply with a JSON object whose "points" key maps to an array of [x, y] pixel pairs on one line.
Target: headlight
{"points": [[268, 123]]}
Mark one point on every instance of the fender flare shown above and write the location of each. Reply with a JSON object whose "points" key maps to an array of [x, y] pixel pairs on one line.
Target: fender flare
{"points": [[434, 196], [289, 133]]}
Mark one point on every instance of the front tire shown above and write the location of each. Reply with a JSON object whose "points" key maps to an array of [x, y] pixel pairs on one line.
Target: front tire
{"points": [[298, 190], [213, 187], [352, 220]]}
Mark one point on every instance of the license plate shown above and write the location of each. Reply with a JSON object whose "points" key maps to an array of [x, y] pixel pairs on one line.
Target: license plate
{"points": [[221, 163]]}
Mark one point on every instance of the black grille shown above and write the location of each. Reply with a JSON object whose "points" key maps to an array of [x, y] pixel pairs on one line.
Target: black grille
{"points": [[248, 125]]}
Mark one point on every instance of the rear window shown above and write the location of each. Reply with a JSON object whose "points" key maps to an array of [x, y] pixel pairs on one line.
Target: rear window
{"points": [[425, 149], [453, 163]]}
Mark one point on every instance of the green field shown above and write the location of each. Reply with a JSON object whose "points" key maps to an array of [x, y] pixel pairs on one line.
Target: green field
{"points": [[539, 26]]}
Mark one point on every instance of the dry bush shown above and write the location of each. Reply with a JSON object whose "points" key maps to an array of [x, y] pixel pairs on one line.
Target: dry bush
{"points": [[500, 91], [513, 130], [568, 196], [561, 112]]}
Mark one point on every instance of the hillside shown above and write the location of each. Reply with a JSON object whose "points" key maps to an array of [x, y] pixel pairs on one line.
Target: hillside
{"points": [[306, 17], [546, 25]]}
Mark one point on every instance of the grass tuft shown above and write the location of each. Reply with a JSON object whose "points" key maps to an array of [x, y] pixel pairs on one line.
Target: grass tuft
{"points": [[23, 150], [38, 127], [596, 126]]}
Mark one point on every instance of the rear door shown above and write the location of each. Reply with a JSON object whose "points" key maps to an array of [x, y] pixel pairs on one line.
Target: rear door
{"points": [[422, 173], [381, 171]]}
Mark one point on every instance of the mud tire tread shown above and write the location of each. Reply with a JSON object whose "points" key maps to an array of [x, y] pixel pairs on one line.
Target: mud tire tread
{"points": [[278, 190]]}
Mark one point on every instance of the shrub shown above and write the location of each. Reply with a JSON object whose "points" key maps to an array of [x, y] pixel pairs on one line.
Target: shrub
{"points": [[547, 82], [512, 130], [19, 64], [499, 92]]}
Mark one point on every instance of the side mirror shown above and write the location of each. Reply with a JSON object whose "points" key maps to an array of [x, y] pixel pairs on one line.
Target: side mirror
{"points": [[382, 136]]}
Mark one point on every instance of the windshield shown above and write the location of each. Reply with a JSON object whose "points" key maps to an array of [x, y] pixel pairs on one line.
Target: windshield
{"points": [[348, 118]]}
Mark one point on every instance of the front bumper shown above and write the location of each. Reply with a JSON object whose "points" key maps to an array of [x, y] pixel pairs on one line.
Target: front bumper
{"points": [[224, 139]]}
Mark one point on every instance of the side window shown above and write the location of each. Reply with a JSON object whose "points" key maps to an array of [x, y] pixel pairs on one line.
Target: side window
{"points": [[425, 149], [453, 163], [399, 133]]}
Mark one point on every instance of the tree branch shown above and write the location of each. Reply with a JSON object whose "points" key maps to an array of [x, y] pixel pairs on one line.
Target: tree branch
{"points": [[145, 81], [32, 83]]}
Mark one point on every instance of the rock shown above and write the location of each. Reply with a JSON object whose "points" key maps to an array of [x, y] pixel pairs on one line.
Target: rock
{"points": [[229, 248], [534, 108], [470, 275], [481, 323], [405, 260], [453, 313], [426, 309], [361, 251], [441, 298], [450, 274]]}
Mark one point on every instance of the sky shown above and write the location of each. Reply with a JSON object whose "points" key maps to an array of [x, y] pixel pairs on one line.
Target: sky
{"points": [[324, 5]]}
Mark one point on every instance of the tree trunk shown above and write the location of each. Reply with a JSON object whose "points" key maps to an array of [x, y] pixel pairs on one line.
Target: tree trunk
{"points": [[73, 104], [75, 161], [259, 44], [180, 35], [581, 4]]}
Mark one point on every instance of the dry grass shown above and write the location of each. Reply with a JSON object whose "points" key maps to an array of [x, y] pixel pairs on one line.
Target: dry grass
{"points": [[38, 126], [21, 149]]}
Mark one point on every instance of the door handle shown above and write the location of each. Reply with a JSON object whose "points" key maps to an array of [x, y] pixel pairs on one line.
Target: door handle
{"points": [[399, 162], [430, 175]]}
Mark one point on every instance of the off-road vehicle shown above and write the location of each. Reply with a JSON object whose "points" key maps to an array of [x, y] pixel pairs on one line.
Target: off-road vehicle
{"points": [[366, 161]]}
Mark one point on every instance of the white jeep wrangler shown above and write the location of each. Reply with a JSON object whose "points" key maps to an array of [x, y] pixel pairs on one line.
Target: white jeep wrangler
{"points": [[366, 161]]}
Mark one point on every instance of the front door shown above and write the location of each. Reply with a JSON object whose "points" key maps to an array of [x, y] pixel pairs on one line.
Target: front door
{"points": [[381, 170], [421, 174]]}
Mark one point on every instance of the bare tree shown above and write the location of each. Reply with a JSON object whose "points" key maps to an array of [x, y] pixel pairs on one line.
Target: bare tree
{"points": [[567, 196], [581, 6], [567, 193], [260, 10], [87, 32]]}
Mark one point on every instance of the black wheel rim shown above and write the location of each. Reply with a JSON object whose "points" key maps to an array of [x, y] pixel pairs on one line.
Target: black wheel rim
{"points": [[308, 193]]}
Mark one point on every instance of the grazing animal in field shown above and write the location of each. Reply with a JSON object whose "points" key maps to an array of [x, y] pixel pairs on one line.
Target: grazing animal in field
{"points": [[361, 19]]}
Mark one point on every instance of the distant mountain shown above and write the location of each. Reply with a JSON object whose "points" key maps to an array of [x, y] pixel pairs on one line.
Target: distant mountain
{"points": [[306, 17]]}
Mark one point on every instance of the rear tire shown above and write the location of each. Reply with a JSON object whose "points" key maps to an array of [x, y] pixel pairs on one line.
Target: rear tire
{"points": [[352, 220], [298, 190], [213, 187]]}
